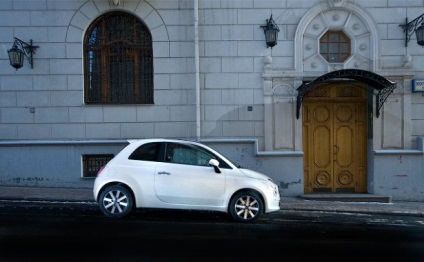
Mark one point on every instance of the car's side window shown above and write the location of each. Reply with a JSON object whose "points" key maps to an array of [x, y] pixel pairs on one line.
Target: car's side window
{"points": [[187, 155], [146, 152], [222, 164]]}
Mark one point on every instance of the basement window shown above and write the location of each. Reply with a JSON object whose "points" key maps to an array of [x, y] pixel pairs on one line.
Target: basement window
{"points": [[92, 163]]}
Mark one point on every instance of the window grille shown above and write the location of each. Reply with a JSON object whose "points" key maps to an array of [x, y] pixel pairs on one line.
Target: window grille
{"points": [[335, 46], [92, 163], [118, 61]]}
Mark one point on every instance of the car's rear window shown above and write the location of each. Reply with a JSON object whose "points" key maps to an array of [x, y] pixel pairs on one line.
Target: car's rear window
{"points": [[146, 152]]}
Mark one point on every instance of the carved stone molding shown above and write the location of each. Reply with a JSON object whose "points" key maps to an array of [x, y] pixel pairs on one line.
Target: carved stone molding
{"points": [[283, 87], [337, 3], [344, 15], [267, 62]]}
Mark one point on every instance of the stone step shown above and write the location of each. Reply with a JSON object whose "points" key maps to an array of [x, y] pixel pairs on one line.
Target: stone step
{"points": [[348, 197]]}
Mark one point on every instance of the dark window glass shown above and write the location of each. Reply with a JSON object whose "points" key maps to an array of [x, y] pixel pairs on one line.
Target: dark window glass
{"points": [[187, 155], [335, 46], [334, 37], [146, 152], [190, 155], [344, 48], [118, 61], [323, 48]]}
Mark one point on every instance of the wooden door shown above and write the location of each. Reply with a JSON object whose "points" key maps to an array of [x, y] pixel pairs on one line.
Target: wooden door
{"points": [[335, 142]]}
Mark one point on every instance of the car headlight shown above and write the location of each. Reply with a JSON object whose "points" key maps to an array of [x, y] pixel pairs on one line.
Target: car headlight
{"points": [[272, 184], [274, 187]]}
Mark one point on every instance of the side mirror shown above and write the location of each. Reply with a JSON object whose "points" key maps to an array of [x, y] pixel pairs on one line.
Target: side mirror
{"points": [[215, 164]]}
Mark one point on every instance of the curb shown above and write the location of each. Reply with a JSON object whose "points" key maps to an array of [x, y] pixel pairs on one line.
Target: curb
{"points": [[378, 212]]}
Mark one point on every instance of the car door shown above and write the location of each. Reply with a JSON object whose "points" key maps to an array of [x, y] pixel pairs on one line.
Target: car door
{"points": [[185, 177]]}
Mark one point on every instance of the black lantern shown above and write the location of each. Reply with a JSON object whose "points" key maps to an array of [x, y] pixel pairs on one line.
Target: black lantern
{"points": [[18, 51], [16, 57], [420, 35], [271, 32], [411, 27]]}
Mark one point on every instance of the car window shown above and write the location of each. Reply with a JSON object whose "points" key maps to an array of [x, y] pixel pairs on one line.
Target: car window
{"points": [[222, 163], [146, 152], [190, 155], [187, 155]]}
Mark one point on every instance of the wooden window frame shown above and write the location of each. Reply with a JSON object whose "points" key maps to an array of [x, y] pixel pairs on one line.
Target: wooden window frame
{"points": [[326, 41]]}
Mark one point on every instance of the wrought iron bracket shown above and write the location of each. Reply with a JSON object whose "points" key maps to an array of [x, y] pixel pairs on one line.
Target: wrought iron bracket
{"points": [[383, 86], [409, 28], [28, 49]]}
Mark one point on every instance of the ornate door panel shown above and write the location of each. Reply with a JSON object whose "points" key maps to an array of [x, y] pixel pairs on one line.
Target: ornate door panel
{"points": [[334, 136]]}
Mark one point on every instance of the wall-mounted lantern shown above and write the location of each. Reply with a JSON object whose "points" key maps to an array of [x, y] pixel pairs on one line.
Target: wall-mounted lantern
{"points": [[271, 32], [411, 27], [18, 51]]}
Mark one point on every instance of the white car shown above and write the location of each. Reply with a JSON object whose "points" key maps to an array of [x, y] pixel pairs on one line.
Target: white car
{"points": [[179, 174]]}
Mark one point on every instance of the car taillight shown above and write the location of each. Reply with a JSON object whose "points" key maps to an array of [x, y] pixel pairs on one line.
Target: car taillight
{"points": [[100, 170]]}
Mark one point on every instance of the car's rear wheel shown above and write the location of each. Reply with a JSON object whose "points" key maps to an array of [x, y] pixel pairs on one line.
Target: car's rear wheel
{"points": [[116, 201], [246, 206]]}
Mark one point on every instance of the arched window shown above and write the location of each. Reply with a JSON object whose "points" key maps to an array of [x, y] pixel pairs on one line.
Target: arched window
{"points": [[118, 61], [335, 46]]}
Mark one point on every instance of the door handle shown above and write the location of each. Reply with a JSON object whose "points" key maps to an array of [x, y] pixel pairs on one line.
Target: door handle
{"points": [[336, 151], [163, 173]]}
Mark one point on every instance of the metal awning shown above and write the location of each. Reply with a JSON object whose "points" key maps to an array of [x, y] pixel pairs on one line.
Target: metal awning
{"points": [[383, 85]]}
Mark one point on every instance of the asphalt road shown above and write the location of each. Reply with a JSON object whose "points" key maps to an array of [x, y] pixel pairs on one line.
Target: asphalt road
{"points": [[42, 231]]}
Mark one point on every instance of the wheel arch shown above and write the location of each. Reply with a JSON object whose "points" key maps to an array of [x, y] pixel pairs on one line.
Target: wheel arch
{"points": [[117, 183], [246, 190]]}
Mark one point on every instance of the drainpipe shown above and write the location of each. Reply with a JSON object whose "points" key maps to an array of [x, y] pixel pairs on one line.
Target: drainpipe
{"points": [[196, 63]]}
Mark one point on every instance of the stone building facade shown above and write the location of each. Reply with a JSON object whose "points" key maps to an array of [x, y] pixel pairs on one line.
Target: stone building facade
{"points": [[314, 125]]}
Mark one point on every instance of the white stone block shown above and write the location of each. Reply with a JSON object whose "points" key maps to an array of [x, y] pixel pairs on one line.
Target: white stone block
{"points": [[33, 99], [16, 115], [183, 113], [68, 131], [88, 114], [103, 131], [220, 112], [238, 129], [66, 98], [34, 131], [237, 64], [119, 113], [153, 113], [237, 96], [137, 130], [45, 115]]}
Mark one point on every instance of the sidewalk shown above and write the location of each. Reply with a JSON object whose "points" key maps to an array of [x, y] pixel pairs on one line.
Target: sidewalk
{"points": [[287, 203], [47, 194]]}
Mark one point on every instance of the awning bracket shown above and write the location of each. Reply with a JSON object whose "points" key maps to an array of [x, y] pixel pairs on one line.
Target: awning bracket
{"points": [[383, 86]]}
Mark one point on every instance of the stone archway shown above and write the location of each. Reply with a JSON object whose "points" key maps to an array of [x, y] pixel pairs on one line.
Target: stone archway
{"points": [[341, 15], [92, 9]]}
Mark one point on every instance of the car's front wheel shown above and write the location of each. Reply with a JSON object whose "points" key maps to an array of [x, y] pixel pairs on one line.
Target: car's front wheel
{"points": [[246, 206], [116, 201]]}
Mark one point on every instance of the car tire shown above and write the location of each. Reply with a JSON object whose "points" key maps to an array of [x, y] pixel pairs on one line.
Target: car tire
{"points": [[116, 202], [246, 206]]}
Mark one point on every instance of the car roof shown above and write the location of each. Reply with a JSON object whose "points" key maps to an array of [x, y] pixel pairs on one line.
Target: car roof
{"points": [[134, 143], [147, 140]]}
